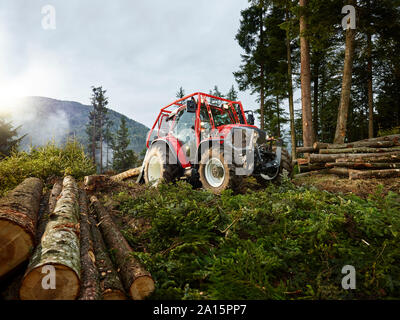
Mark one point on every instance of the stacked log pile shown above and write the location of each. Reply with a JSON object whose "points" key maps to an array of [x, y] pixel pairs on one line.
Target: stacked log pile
{"points": [[370, 158], [63, 242]]}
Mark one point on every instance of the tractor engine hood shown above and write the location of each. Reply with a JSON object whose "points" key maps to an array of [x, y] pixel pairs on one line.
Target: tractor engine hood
{"points": [[257, 136]]}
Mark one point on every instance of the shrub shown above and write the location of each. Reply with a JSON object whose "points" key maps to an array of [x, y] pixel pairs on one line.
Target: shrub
{"points": [[44, 162]]}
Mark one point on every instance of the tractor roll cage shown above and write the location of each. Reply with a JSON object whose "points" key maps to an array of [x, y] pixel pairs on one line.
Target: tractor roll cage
{"points": [[201, 98]]}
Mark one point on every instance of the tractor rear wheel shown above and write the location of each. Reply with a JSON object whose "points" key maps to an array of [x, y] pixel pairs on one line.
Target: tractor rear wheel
{"points": [[216, 174], [157, 167]]}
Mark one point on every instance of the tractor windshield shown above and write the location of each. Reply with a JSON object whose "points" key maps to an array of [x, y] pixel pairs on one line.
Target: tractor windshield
{"points": [[222, 116]]}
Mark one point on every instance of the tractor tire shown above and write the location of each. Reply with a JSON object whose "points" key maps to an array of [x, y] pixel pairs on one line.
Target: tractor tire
{"points": [[216, 175], [286, 166], [157, 168]]}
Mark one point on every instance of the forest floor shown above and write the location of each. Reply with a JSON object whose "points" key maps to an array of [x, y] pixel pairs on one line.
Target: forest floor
{"points": [[361, 188]]}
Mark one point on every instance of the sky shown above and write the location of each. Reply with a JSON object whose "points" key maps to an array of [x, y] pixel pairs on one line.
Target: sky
{"points": [[141, 52]]}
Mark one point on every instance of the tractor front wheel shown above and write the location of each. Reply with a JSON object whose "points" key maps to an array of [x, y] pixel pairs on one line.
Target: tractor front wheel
{"points": [[216, 174]]}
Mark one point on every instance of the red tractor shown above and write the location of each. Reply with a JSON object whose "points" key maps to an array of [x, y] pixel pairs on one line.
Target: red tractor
{"points": [[210, 142]]}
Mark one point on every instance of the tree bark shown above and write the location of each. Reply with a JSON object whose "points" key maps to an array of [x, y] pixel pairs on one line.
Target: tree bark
{"points": [[138, 282], [340, 171], [290, 87], [127, 174], [370, 83], [305, 75], [311, 167], [341, 126], [18, 222], [313, 157], [389, 173], [305, 150], [57, 251], [394, 137], [50, 206], [90, 287], [394, 157], [359, 150], [110, 283], [364, 165], [320, 145], [363, 144], [316, 94]]}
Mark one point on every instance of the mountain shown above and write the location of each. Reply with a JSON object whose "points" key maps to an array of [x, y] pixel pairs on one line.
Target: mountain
{"points": [[44, 119]]}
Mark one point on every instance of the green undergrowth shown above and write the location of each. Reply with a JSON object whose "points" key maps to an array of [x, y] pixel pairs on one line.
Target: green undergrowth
{"points": [[44, 162], [284, 242]]}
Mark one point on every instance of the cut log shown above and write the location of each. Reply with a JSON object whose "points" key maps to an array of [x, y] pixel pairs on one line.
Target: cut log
{"points": [[359, 150], [340, 171], [314, 157], [394, 137], [90, 287], [56, 260], [93, 183], [320, 145], [311, 167], [110, 284], [372, 159], [305, 150], [302, 161], [310, 173], [138, 282], [127, 174], [389, 173], [364, 165], [18, 221], [364, 144], [49, 208]]}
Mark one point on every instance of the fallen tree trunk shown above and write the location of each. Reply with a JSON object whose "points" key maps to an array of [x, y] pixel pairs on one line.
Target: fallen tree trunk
{"points": [[389, 173], [314, 157], [340, 171], [302, 161], [359, 150], [90, 287], [54, 270], [95, 182], [138, 282], [51, 204], [127, 174], [110, 283], [364, 144], [320, 145], [394, 137], [18, 221], [364, 165]]}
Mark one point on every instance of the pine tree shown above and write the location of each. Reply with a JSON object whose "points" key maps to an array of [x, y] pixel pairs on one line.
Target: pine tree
{"points": [[123, 158], [97, 123], [181, 93], [232, 94], [8, 138]]}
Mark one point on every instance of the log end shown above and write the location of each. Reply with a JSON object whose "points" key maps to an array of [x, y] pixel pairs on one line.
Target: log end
{"points": [[66, 284], [142, 287], [15, 245]]}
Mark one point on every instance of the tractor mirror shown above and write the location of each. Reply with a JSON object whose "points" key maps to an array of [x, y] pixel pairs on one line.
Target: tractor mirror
{"points": [[191, 106]]}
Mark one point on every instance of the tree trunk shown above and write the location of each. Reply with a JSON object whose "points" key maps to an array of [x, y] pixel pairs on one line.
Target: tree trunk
{"points": [[311, 167], [18, 222], [138, 282], [262, 126], [320, 145], [290, 88], [392, 157], [390, 173], [359, 150], [58, 252], [341, 126], [90, 287], [370, 85], [313, 157], [316, 94], [340, 171], [110, 283], [50, 205], [305, 150], [278, 116], [364, 165], [363, 144], [305, 76], [127, 174]]}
